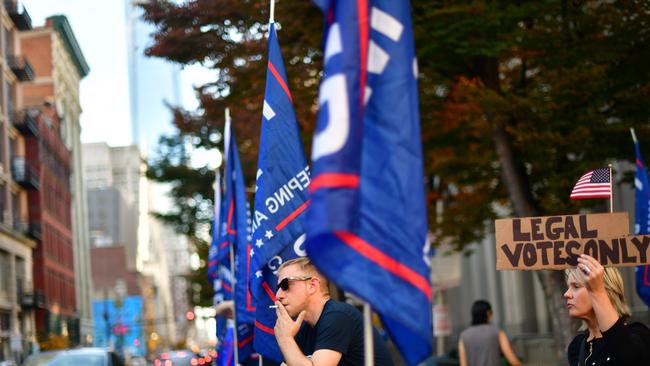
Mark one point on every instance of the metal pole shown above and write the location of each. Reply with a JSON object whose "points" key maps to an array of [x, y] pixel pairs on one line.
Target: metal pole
{"points": [[106, 317], [272, 12], [611, 189], [440, 339], [226, 143], [234, 302], [368, 345], [226, 135]]}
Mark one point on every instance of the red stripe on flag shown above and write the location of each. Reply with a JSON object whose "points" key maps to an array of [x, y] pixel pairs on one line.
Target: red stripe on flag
{"points": [[334, 180], [227, 288], [386, 262], [264, 328], [292, 216], [224, 244], [639, 163], [590, 195], [245, 341], [249, 297], [231, 210], [280, 81], [362, 9], [268, 290]]}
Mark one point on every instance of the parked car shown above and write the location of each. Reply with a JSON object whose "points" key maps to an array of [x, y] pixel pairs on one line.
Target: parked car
{"points": [[180, 358], [75, 357], [137, 361]]}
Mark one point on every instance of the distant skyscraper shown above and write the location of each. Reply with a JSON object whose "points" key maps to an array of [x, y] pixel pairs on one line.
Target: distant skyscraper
{"points": [[153, 85], [153, 82]]}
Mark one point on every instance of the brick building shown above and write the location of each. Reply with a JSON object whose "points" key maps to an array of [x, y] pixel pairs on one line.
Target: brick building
{"points": [[61, 270], [50, 216]]}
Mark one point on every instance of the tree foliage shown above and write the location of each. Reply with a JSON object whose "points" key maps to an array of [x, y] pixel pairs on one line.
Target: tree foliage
{"points": [[228, 37], [563, 79], [518, 98]]}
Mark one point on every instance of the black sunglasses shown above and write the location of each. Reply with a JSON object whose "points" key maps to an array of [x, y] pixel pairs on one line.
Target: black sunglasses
{"points": [[284, 284]]}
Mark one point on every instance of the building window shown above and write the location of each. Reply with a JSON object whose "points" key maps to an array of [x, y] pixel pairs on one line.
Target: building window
{"points": [[15, 208], [21, 281], [5, 273], [9, 94], [2, 146], [5, 323], [8, 42], [3, 201]]}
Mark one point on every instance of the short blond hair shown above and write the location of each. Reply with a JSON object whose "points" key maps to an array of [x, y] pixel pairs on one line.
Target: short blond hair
{"points": [[305, 264], [614, 287]]}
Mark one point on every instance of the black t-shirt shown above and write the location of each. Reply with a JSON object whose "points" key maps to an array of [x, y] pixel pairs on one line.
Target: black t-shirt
{"points": [[622, 344], [340, 329]]}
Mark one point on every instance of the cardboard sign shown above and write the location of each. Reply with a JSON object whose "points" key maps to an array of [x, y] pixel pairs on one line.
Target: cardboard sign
{"points": [[555, 242]]}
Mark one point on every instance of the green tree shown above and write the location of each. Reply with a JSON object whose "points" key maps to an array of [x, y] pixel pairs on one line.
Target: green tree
{"points": [[228, 37], [518, 99]]}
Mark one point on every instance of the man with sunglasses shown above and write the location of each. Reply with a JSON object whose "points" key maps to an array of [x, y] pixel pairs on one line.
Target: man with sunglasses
{"points": [[332, 331]]}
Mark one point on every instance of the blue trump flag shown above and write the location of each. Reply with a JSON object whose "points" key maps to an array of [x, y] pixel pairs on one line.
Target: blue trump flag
{"points": [[219, 273], [235, 233], [280, 197], [226, 355], [641, 219], [367, 224]]}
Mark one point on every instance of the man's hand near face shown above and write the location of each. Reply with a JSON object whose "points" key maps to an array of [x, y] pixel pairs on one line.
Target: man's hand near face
{"points": [[285, 331]]}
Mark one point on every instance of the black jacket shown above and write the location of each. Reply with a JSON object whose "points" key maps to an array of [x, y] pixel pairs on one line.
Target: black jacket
{"points": [[622, 344]]}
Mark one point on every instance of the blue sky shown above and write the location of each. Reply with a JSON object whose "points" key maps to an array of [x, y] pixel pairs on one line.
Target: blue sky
{"points": [[100, 28]]}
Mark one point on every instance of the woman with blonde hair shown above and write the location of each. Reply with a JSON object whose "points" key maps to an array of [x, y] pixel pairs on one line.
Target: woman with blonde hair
{"points": [[596, 295]]}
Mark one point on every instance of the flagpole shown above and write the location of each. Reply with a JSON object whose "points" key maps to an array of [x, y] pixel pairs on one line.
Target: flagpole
{"points": [[234, 302], [271, 21], [368, 345], [226, 134], [226, 146], [272, 12], [611, 190]]}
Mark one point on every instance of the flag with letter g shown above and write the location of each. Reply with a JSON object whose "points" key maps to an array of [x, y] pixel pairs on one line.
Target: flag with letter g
{"points": [[280, 198], [367, 223], [641, 218]]}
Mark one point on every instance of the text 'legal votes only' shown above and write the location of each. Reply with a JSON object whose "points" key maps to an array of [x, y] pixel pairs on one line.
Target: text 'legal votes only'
{"points": [[555, 242]]}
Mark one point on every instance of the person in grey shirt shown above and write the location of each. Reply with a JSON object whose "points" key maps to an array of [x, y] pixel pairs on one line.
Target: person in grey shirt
{"points": [[481, 342]]}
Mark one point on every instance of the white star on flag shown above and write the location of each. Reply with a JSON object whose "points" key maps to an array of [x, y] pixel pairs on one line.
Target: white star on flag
{"points": [[268, 234], [252, 252], [259, 243], [258, 274], [267, 111]]}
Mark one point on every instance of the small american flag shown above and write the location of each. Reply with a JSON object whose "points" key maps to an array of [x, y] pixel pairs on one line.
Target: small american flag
{"points": [[594, 184]]}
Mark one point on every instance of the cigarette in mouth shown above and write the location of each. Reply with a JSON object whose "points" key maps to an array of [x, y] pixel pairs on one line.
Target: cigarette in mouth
{"points": [[273, 306]]}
